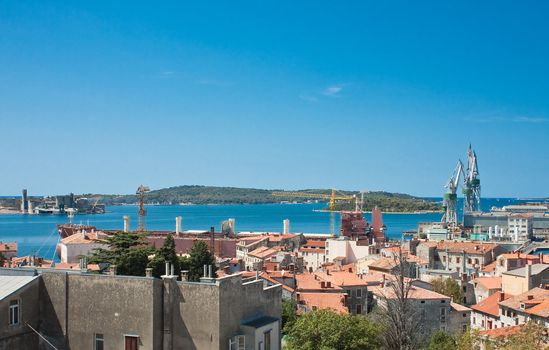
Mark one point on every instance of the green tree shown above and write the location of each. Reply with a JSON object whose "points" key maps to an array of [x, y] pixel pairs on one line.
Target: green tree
{"points": [[325, 329], [2, 260], [128, 251], [448, 287], [289, 315], [165, 254], [200, 256], [530, 337], [442, 340]]}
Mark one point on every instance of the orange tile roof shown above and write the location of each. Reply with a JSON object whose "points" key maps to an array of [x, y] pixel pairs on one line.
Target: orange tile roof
{"points": [[538, 296], [312, 250], [488, 282], [491, 267], [343, 278], [468, 247], [84, 238], [312, 282], [459, 307], [279, 237], [490, 305], [383, 263], [500, 332], [263, 252], [334, 301], [415, 293], [347, 267], [541, 309], [315, 243], [9, 246], [266, 276], [519, 255]]}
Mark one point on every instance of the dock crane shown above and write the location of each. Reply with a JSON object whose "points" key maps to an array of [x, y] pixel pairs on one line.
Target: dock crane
{"points": [[471, 183], [333, 197], [450, 198], [141, 190]]}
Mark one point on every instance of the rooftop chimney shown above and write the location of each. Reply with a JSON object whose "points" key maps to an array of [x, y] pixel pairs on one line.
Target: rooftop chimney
{"points": [[528, 276], [501, 296]]}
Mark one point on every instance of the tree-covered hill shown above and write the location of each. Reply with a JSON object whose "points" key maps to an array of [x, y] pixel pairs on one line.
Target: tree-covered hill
{"points": [[194, 194]]}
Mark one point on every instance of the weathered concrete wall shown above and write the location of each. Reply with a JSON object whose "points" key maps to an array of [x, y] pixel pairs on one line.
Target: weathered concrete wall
{"points": [[83, 305], [20, 336], [53, 310], [242, 302], [196, 316], [117, 306]]}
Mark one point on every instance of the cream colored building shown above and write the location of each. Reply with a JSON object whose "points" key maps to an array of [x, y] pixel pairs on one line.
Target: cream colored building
{"points": [[350, 250]]}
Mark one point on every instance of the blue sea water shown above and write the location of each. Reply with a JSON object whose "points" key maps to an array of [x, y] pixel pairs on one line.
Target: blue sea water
{"points": [[38, 233]]}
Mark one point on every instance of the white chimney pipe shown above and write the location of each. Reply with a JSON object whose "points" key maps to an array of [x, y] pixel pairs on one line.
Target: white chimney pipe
{"points": [[126, 223], [178, 229], [286, 225]]}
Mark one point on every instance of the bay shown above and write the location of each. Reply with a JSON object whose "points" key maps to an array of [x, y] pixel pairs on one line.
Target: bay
{"points": [[37, 234]]}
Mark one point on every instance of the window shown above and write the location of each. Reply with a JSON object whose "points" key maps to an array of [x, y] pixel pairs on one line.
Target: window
{"points": [[267, 340], [359, 293], [237, 343], [442, 314], [132, 342], [99, 341], [458, 259], [359, 309], [14, 312]]}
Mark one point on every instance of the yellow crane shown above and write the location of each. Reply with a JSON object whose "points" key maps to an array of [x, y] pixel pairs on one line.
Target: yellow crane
{"points": [[333, 197]]}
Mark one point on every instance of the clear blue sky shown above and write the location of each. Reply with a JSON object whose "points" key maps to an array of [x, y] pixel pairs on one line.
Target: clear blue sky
{"points": [[100, 96]]}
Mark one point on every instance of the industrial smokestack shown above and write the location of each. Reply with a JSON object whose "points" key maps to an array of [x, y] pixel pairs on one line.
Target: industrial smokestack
{"points": [[24, 202], [286, 225], [178, 229], [126, 223]]}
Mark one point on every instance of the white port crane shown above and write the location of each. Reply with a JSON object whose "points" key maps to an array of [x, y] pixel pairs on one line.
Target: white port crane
{"points": [[450, 198]]}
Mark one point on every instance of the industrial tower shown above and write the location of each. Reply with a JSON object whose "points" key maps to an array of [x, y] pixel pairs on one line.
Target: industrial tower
{"points": [[471, 184], [141, 190], [450, 198]]}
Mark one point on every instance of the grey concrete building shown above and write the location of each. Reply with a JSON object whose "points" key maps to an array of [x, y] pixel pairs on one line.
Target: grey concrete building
{"points": [[90, 311], [18, 310]]}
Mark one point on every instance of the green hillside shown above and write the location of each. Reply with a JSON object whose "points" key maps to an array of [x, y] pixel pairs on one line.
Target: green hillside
{"points": [[386, 201]]}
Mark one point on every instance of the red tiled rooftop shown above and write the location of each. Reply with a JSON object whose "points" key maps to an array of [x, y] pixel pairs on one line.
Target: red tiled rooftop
{"points": [[415, 293], [9, 246], [500, 332], [333, 301], [488, 282], [490, 305], [315, 243], [491, 267], [312, 250], [539, 295]]}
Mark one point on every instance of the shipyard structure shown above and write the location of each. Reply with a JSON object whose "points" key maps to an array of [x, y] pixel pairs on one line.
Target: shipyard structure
{"points": [[513, 223]]}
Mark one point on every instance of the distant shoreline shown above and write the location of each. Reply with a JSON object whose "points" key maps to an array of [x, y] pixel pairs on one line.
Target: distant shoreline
{"points": [[419, 212]]}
